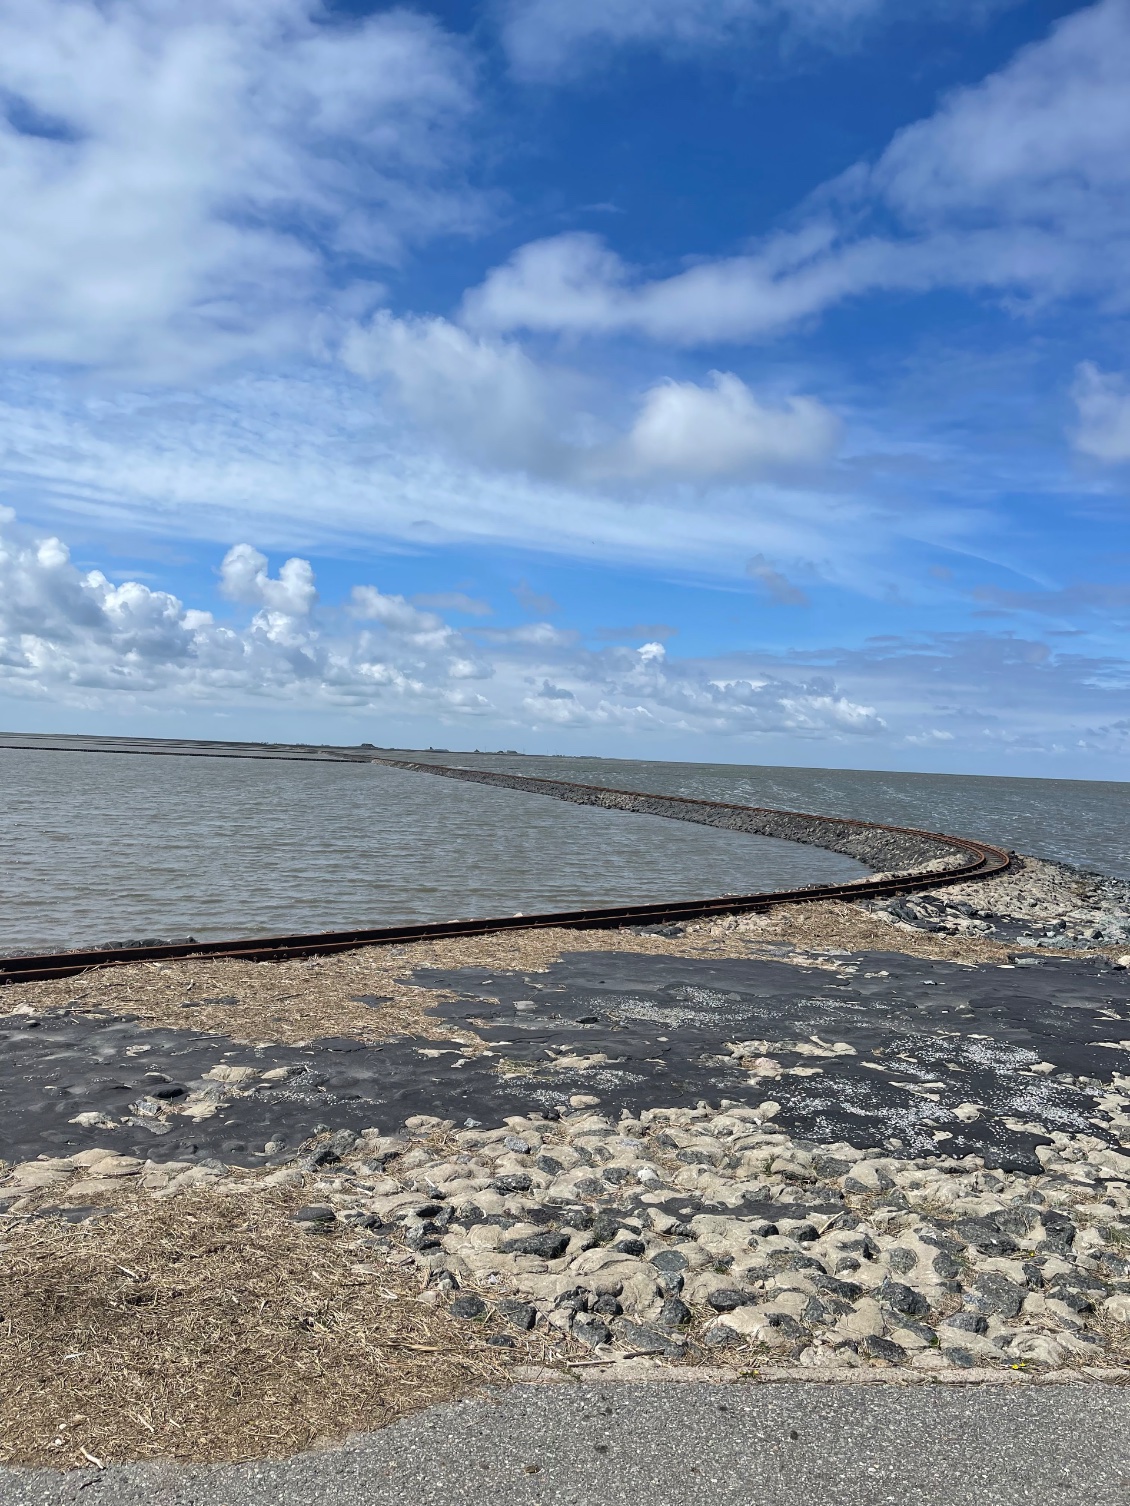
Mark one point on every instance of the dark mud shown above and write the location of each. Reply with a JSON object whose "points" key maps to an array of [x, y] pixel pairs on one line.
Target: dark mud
{"points": [[881, 1051]]}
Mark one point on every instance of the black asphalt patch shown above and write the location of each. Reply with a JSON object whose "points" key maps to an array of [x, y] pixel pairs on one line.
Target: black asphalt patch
{"points": [[927, 1037]]}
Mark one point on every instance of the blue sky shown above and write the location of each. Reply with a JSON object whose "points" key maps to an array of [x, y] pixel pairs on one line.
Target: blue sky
{"points": [[739, 380]]}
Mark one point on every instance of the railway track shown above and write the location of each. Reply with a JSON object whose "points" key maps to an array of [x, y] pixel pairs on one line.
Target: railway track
{"points": [[971, 860]]}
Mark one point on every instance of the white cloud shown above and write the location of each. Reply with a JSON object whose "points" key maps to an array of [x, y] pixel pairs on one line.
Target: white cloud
{"points": [[74, 639], [424, 629], [543, 36], [316, 461], [1019, 187], [723, 430], [1103, 403], [487, 396], [244, 577], [178, 175]]}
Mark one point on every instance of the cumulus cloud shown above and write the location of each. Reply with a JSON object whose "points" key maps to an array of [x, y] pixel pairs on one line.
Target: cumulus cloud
{"points": [[493, 402], [1103, 403], [179, 178], [1019, 186], [486, 395], [75, 638], [368, 604], [244, 577], [722, 430]]}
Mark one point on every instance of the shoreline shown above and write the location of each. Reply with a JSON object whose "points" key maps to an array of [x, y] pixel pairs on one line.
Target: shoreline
{"points": [[836, 1141], [871, 1138]]}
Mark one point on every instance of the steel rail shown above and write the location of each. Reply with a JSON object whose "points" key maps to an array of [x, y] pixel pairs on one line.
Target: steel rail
{"points": [[982, 861]]}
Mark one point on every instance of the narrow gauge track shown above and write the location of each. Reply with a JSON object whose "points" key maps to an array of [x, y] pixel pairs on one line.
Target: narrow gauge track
{"points": [[979, 860]]}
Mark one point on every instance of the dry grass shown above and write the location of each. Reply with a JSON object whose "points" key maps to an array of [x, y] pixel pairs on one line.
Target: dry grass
{"points": [[286, 1003], [213, 1330], [290, 1003]]}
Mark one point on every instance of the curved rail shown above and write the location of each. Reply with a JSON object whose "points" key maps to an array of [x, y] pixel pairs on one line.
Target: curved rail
{"points": [[974, 860]]}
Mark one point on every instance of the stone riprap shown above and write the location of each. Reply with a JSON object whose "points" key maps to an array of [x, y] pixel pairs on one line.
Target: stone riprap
{"points": [[700, 1234], [1036, 903], [882, 848], [690, 1229]]}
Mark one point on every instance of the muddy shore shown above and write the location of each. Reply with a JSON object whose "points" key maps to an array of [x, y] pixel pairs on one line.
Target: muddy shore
{"points": [[831, 1139]]}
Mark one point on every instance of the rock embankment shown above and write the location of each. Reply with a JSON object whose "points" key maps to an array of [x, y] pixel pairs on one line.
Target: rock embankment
{"points": [[1036, 903], [876, 846], [693, 1233]]}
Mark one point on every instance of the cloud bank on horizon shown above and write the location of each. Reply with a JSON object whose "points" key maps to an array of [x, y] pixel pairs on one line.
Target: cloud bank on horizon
{"points": [[795, 330]]}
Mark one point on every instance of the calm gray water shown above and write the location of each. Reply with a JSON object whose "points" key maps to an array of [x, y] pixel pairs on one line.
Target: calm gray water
{"points": [[105, 847]]}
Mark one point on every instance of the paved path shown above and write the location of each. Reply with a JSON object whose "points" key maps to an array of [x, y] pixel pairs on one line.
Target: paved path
{"points": [[679, 1445]]}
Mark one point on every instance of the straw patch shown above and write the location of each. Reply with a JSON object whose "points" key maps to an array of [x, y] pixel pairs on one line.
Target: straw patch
{"points": [[363, 994], [213, 1330]]}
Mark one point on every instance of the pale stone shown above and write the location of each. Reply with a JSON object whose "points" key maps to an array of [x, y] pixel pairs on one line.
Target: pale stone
{"points": [[908, 1339], [602, 1259], [116, 1166], [698, 1285], [791, 1303], [752, 1323], [29, 1177], [482, 1237], [661, 1222], [92, 1118], [1118, 1307], [865, 1322], [1113, 1161], [287, 1176], [1039, 1348], [929, 1359]]}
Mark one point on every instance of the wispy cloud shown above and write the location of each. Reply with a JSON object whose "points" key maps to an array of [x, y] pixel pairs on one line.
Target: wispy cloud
{"points": [[1103, 403], [548, 38], [636, 630], [180, 179], [1017, 187], [779, 589], [536, 603], [454, 601]]}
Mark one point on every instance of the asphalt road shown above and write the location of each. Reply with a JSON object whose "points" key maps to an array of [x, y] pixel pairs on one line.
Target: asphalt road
{"points": [[694, 1444]]}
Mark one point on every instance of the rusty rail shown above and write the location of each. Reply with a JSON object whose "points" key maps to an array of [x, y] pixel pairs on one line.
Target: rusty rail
{"points": [[981, 861]]}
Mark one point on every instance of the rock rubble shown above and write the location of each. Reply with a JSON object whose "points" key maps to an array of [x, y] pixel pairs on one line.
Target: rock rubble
{"points": [[692, 1233], [1037, 903]]}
